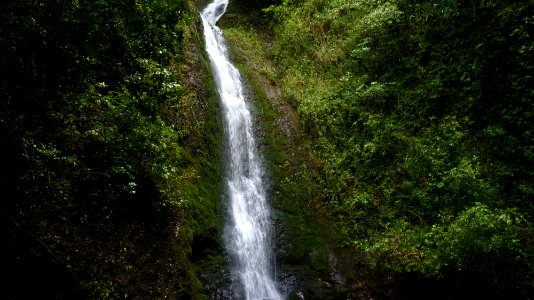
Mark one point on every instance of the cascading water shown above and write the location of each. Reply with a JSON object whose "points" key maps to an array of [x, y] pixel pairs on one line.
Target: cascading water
{"points": [[249, 238]]}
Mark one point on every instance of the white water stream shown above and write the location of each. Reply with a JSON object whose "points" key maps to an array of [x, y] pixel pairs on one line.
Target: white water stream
{"points": [[249, 239]]}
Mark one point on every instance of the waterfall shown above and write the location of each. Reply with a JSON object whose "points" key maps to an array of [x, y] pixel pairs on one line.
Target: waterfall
{"points": [[248, 240]]}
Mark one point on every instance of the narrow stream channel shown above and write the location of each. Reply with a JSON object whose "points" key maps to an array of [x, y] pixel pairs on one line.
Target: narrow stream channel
{"points": [[249, 237]]}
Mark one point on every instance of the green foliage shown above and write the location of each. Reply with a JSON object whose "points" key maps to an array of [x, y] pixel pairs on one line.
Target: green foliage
{"points": [[421, 115], [483, 240], [112, 164], [489, 244]]}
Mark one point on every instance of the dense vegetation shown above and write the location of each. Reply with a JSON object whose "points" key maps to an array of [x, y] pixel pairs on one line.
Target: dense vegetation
{"points": [[110, 140], [419, 114], [422, 113], [418, 119]]}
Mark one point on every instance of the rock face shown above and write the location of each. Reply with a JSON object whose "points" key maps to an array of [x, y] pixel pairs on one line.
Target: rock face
{"points": [[310, 262], [248, 231]]}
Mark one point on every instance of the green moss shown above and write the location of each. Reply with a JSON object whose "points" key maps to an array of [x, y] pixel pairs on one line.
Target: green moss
{"points": [[305, 240]]}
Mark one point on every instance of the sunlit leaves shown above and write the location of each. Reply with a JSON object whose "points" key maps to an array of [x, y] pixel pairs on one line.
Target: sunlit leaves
{"points": [[419, 112]]}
